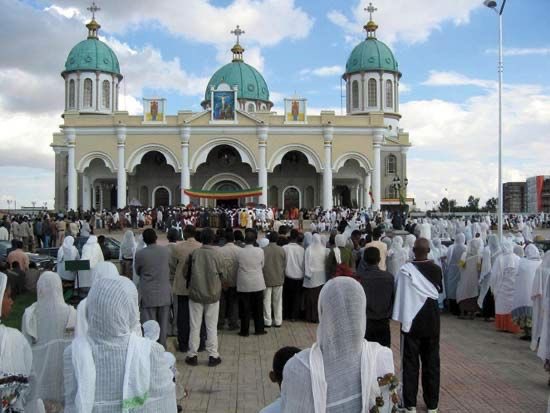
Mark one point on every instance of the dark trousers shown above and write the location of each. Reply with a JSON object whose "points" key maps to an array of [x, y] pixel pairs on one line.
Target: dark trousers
{"points": [[184, 327], [292, 298], [379, 332], [251, 305], [454, 309], [489, 305], [229, 308], [414, 351]]}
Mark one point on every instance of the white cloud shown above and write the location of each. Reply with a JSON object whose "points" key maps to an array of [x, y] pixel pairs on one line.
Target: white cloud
{"points": [[67, 12], [455, 144], [323, 71], [404, 87], [437, 78], [522, 51], [404, 20]]}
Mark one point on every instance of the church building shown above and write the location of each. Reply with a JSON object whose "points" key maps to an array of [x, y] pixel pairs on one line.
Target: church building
{"points": [[107, 159]]}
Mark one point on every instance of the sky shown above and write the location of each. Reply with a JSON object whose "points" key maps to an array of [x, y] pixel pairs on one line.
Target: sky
{"points": [[446, 49]]}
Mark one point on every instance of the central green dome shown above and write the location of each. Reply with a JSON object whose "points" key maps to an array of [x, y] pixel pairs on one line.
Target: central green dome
{"points": [[251, 84], [92, 55], [371, 54]]}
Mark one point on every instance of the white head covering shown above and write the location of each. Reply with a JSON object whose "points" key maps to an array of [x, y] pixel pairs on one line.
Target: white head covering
{"points": [[263, 242], [397, 255], [112, 312], [308, 236], [340, 242], [315, 254], [526, 275], [128, 245], [67, 250], [3, 287], [92, 251], [518, 250], [342, 367], [151, 330]]}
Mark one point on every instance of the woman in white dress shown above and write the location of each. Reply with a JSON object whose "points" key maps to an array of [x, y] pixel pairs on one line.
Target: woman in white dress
{"points": [[67, 252]]}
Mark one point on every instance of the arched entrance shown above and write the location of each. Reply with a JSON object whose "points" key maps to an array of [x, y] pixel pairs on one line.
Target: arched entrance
{"points": [[227, 186], [161, 196], [291, 198]]}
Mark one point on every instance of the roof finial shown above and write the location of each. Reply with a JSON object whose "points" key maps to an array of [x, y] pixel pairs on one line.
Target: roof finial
{"points": [[371, 26], [237, 49], [93, 26]]}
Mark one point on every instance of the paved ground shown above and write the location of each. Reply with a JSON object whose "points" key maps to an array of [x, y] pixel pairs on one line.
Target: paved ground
{"points": [[482, 370]]}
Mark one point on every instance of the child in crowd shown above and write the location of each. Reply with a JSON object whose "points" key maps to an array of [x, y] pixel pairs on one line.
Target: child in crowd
{"points": [[276, 375]]}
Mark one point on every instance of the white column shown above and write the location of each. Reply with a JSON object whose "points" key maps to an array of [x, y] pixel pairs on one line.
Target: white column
{"points": [[185, 179], [357, 197], [121, 167], [366, 187], [262, 162], [378, 138], [328, 136], [70, 139], [97, 91], [94, 197], [101, 206], [77, 90], [86, 198]]}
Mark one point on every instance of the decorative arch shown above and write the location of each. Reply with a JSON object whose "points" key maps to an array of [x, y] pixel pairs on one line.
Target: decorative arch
{"points": [[199, 157], [154, 193], [136, 157], [89, 157], [225, 176], [359, 157], [312, 157]]}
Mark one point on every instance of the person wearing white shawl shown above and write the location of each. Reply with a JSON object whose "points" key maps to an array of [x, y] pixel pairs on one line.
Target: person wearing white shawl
{"points": [[15, 357], [467, 289], [91, 251], [543, 351], [314, 277], [127, 251], [67, 252], [438, 254], [397, 256], [308, 237], [486, 300], [111, 369], [409, 245], [522, 307], [537, 295], [339, 372], [140, 244], [503, 278], [49, 325], [452, 274]]}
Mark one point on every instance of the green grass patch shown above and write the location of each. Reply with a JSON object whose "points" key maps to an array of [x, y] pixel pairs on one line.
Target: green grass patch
{"points": [[21, 302]]}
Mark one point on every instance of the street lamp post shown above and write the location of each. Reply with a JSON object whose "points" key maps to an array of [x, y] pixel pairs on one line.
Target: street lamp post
{"points": [[492, 4], [9, 205]]}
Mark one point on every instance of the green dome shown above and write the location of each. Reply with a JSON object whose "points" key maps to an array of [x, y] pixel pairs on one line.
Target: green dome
{"points": [[251, 84], [371, 54], [93, 55]]}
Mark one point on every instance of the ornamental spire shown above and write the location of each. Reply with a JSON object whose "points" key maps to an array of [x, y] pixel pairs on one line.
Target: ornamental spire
{"points": [[371, 26], [237, 49], [93, 26]]}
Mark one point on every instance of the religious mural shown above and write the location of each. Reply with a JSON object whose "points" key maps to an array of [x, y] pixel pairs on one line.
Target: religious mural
{"points": [[153, 110], [295, 110], [223, 105]]}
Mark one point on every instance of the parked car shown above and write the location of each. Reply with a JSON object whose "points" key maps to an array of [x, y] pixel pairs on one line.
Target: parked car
{"points": [[112, 244], [40, 259]]}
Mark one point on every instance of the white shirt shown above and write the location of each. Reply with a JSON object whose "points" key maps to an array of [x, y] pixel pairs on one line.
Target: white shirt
{"points": [[294, 261], [274, 407]]}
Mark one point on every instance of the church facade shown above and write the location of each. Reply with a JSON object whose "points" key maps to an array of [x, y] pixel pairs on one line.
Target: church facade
{"points": [[107, 159]]}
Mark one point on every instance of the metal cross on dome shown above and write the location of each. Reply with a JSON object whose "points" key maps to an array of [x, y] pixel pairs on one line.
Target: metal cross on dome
{"points": [[371, 9], [93, 8], [237, 32]]}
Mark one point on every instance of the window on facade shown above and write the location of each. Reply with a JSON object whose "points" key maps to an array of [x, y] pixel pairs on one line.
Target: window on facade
{"points": [[88, 93], [355, 94], [71, 94], [106, 93], [391, 164], [250, 107], [389, 94], [391, 192], [263, 106], [372, 95]]}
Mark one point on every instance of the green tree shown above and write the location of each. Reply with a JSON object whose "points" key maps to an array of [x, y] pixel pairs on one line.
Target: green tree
{"points": [[473, 204], [491, 204], [444, 205]]}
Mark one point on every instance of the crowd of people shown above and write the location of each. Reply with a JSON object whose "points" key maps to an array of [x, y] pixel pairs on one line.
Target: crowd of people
{"points": [[351, 275]]}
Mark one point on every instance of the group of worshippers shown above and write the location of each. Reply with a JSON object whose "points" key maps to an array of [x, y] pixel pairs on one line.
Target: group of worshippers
{"points": [[90, 359]]}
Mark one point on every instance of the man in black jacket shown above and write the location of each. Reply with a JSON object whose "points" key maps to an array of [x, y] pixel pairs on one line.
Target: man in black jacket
{"points": [[379, 289]]}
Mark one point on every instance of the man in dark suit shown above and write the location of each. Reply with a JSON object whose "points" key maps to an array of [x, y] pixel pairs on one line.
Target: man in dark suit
{"points": [[152, 267]]}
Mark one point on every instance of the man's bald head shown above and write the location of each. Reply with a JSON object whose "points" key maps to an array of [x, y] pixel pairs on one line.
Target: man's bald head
{"points": [[421, 249]]}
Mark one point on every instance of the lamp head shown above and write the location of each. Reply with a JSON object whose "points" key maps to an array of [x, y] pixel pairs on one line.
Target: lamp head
{"points": [[492, 4]]}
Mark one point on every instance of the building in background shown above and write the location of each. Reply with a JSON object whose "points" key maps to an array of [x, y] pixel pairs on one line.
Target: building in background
{"points": [[514, 197], [538, 194]]}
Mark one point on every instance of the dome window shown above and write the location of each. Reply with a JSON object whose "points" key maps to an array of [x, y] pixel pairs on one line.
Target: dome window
{"points": [[355, 94], [106, 92], [250, 107], [88, 98], [372, 95], [389, 93], [71, 94]]}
